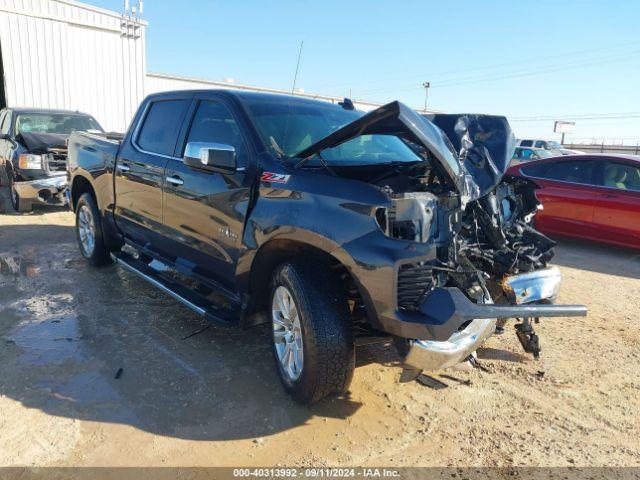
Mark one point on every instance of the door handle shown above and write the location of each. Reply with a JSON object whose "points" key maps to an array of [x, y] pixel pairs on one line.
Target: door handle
{"points": [[123, 168], [609, 195], [175, 181]]}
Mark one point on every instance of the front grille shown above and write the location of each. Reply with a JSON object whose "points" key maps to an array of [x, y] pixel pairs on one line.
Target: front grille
{"points": [[414, 280], [57, 159]]}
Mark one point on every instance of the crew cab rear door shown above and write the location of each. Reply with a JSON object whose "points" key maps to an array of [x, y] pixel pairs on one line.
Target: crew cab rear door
{"points": [[204, 211], [140, 167]]}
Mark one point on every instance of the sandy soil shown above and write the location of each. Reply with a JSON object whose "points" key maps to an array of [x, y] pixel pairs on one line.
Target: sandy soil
{"points": [[214, 398]]}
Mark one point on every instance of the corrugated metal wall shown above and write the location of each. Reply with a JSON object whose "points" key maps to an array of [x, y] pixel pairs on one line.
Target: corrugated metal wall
{"points": [[64, 54]]}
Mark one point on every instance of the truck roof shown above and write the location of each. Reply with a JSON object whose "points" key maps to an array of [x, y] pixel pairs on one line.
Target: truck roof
{"points": [[240, 95]]}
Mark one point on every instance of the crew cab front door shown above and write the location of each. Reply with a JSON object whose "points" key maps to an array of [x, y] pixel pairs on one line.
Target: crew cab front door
{"points": [[204, 211], [617, 205]]}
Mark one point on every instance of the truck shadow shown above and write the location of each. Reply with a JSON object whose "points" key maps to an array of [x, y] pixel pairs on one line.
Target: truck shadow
{"points": [[596, 257], [100, 345]]}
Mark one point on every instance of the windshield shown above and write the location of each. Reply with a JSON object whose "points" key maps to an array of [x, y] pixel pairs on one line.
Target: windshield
{"points": [[289, 126], [60, 123]]}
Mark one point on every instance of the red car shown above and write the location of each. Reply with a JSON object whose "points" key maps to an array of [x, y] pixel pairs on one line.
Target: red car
{"points": [[596, 197]]}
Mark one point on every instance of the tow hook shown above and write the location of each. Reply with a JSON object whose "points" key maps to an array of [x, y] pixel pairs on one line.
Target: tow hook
{"points": [[528, 337]]}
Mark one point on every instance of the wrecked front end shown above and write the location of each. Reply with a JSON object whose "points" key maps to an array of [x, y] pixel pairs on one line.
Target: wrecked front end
{"points": [[467, 256], [490, 265], [41, 169]]}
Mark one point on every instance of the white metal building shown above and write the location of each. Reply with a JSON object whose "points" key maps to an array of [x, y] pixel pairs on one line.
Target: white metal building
{"points": [[70, 55], [65, 54]]}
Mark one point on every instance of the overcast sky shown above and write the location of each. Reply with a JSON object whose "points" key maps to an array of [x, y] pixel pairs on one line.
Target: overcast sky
{"points": [[533, 61]]}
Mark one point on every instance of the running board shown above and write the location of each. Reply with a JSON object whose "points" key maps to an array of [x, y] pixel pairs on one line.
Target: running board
{"points": [[184, 295]]}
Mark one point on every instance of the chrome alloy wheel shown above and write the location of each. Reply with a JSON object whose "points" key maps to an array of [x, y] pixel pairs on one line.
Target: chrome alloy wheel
{"points": [[287, 333], [86, 230]]}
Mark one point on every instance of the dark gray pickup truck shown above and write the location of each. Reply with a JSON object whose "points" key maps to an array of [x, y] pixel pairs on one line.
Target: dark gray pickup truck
{"points": [[337, 228]]}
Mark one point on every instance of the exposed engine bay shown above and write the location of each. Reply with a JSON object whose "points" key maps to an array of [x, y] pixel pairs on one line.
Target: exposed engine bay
{"points": [[481, 243], [454, 195]]}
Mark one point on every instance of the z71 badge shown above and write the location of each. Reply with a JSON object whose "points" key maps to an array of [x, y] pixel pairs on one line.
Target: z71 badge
{"points": [[274, 177]]}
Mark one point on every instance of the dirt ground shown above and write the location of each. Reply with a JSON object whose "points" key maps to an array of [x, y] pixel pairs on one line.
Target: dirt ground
{"points": [[213, 399]]}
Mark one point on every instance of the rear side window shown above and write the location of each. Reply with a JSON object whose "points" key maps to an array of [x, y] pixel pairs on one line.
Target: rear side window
{"points": [[621, 176], [160, 129], [573, 172], [540, 144], [526, 143]]}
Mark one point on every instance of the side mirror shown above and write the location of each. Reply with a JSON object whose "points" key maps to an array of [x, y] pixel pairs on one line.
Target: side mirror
{"points": [[4, 136], [213, 157]]}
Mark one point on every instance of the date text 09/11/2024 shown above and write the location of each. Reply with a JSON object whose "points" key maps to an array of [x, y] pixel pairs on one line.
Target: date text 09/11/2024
{"points": [[317, 472]]}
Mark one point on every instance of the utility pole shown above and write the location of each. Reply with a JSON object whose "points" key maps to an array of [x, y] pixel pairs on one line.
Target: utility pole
{"points": [[426, 86]]}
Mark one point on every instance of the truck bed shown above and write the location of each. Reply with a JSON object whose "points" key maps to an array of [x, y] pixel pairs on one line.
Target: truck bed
{"points": [[92, 152]]}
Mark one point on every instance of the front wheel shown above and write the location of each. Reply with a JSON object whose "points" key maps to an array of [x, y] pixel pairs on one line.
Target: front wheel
{"points": [[313, 341], [89, 232]]}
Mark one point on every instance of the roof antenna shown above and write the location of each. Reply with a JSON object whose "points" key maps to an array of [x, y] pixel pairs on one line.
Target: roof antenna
{"points": [[295, 77]]}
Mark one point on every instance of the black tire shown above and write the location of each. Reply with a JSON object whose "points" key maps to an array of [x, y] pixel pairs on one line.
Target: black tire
{"points": [[99, 254], [18, 204], [327, 333]]}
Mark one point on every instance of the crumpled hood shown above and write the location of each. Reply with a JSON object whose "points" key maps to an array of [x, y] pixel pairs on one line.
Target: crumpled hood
{"points": [[39, 142], [472, 151]]}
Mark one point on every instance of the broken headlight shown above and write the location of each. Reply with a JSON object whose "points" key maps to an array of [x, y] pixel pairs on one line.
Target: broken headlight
{"points": [[411, 217]]}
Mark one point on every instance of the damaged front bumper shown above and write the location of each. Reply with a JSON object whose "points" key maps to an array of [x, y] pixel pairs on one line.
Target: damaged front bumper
{"points": [[539, 285], [48, 191], [449, 307], [431, 355]]}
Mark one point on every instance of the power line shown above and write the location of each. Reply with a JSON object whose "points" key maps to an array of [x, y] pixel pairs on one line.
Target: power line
{"points": [[585, 119], [528, 61], [490, 78], [555, 116]]}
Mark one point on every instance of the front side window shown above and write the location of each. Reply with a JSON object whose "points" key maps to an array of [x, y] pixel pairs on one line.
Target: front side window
{"points": [[159, 132], [572, 172], [214, 123], [3, 119], [539, 144], [60, 123], [5, 125], [621, 176]]}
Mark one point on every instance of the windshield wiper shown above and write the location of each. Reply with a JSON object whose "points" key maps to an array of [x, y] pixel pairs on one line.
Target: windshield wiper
{"points": [[322, 161], [276, 147]]}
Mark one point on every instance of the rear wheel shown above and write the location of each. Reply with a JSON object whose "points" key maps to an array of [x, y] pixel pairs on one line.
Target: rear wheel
{"points": [[18, 204], [312, 334], [89, 232]]}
